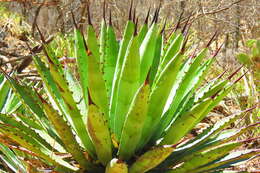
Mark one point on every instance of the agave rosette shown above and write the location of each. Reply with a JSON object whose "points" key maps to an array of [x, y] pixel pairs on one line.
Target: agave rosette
{"points": [[135, 101]]}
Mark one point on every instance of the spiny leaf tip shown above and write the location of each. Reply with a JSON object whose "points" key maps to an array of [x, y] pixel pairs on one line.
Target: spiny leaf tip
{"points": [[88, 11], [235, 72], [147, 16]]}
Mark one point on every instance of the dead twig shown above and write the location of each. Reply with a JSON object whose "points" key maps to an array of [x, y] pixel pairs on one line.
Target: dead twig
{"points": [[27, 61], [198, 14], [36, 16]]}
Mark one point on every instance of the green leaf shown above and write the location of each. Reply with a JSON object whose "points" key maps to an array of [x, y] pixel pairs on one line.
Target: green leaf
{"points": [[67, 137], [173, 49], [128, 81], [110, 59], [132, 129], [244, 59], [147, 51], [184, 123], [4, 90], [159, 97], [12, 160], [10, 120], [229, 160], [205, 157], [250, 43], [75, 118], [82, 63], [34, 146], [128, 33], [92, 42], [151, 159], [255, 52], [156, 59], [103, 42], [75, 88], [99, 133], [97, 86]]}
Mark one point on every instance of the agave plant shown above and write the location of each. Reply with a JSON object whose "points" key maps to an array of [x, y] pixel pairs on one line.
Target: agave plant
{"points": [[130, 106]]}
